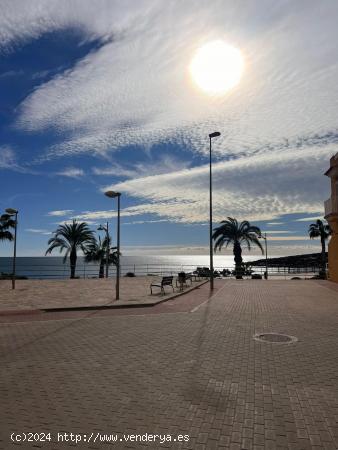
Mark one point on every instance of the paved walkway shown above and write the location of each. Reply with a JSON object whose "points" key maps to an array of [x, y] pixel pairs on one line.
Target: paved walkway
{"points": [[198, 374], [41, 294]]}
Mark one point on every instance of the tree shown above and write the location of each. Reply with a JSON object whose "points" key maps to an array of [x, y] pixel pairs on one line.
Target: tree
{"points": [[6, 222], [97, 251], [323, 231], [230, 232], [71, 238]]}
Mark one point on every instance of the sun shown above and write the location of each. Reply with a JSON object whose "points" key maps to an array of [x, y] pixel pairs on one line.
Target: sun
{"points": [[217, 67]]}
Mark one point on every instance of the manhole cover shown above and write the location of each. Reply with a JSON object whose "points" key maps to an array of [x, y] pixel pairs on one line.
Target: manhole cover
{"points": [[275, 338]]}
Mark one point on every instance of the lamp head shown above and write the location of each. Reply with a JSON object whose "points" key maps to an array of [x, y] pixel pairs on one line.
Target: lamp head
{"points": [[11, 211], [100, 228], [112, 194], [215, 134]]}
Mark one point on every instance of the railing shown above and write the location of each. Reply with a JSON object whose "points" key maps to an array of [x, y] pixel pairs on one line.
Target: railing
{"points": [[62, 271]]}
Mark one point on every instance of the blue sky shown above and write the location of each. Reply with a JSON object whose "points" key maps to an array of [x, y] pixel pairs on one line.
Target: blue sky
{"points": [[100, 96]]}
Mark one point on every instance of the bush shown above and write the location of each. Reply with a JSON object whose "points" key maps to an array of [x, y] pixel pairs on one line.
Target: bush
{"points": [[129, 274]]}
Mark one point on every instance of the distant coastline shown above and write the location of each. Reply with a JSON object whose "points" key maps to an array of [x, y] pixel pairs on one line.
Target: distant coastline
{"points": [[306, 260]]}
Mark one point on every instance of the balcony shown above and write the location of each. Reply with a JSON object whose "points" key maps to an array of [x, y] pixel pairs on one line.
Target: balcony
{"points": [[331, 206]]}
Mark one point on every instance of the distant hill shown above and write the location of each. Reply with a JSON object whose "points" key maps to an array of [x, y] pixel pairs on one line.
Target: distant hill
{"points": [[308, 260]]}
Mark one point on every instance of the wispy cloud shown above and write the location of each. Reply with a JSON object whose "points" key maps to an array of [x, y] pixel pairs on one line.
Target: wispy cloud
{"points": [[278, 126], [163, 164], [262, 187], [269, 232], [141, 222], [8, 160], [289, 238], [309, 219], [114, 96], [60, 213], [38, 231], [275, 223], [71, 172], [7, 157]]}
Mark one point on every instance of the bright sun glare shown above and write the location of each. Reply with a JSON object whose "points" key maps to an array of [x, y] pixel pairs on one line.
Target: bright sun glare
{"points": [[216, 67]]}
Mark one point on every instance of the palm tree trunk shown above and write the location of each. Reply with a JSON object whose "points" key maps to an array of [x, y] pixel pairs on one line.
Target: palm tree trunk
{"points": [[322, 239], [101, 271], [237, 250], [73, 258]]}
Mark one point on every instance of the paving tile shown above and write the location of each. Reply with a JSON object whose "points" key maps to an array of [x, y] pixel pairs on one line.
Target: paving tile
{"points": [[197, 373]]}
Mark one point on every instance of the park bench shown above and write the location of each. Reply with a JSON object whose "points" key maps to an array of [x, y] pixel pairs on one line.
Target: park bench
{"points": [[166, 281], [183, 278]]}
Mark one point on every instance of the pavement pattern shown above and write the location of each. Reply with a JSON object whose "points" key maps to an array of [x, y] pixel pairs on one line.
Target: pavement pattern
{"points": [[195, 372]]}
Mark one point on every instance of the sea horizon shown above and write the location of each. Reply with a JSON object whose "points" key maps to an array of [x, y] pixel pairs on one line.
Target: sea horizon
{"points": [[53, 266]]}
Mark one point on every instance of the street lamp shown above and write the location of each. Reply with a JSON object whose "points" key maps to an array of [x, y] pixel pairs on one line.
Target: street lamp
{"points": [[106, 229], [212, 135], [113, 194], [266, 255], [13, 212]]}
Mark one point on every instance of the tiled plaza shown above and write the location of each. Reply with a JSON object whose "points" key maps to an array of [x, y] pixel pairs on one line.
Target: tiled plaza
{"points": [[195, 372]]}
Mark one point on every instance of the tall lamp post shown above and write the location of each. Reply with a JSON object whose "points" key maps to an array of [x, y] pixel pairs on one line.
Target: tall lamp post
{"points": [[113, 194], [13, 212], [106, 229], [266, 255], [212, 135]]}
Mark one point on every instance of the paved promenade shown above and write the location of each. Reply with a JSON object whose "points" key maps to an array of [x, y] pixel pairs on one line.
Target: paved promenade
{"points": [[192, 370], [41, 294]]}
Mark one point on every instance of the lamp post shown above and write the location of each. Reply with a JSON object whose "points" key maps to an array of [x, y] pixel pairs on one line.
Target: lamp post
{"points": [[112, 194], [13, 212], [212, 135], [266, 255], [106, 229]]}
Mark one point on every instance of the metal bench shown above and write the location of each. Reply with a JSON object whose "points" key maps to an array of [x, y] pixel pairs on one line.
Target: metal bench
{"points": [[183, 278], [166, 281]]}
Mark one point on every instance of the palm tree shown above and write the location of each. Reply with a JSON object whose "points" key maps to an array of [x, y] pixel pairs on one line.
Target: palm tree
{"points": [[71, 237], [230, 232], [6, 222], [319, 229], [97, 251]]}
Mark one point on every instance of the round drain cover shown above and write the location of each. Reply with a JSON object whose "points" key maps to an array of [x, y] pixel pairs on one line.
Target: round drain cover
{"points": [[275, 338]]}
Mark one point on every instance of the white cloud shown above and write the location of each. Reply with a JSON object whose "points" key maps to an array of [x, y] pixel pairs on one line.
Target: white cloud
{"points": [[289, 238], [71, 172], [70, 221], [141, 222], [8, 160], [262, 187], [57, 213], [7, 157], [268, 232], [164, 164], [136, 88], [275, 223], [38, 231], [310, 219]]}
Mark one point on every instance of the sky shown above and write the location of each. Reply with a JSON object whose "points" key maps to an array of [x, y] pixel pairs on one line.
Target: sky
{"points": [[98, 95]]}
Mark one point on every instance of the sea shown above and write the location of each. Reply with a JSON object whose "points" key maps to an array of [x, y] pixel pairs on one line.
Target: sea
{"points": [[52, 267]]}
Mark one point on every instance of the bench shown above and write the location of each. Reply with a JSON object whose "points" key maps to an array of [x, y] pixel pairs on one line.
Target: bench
{"points": [[183, 278], [166, 281]]}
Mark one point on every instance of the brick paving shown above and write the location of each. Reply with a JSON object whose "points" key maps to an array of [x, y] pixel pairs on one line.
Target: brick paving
{"points": [[198, 372]]}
